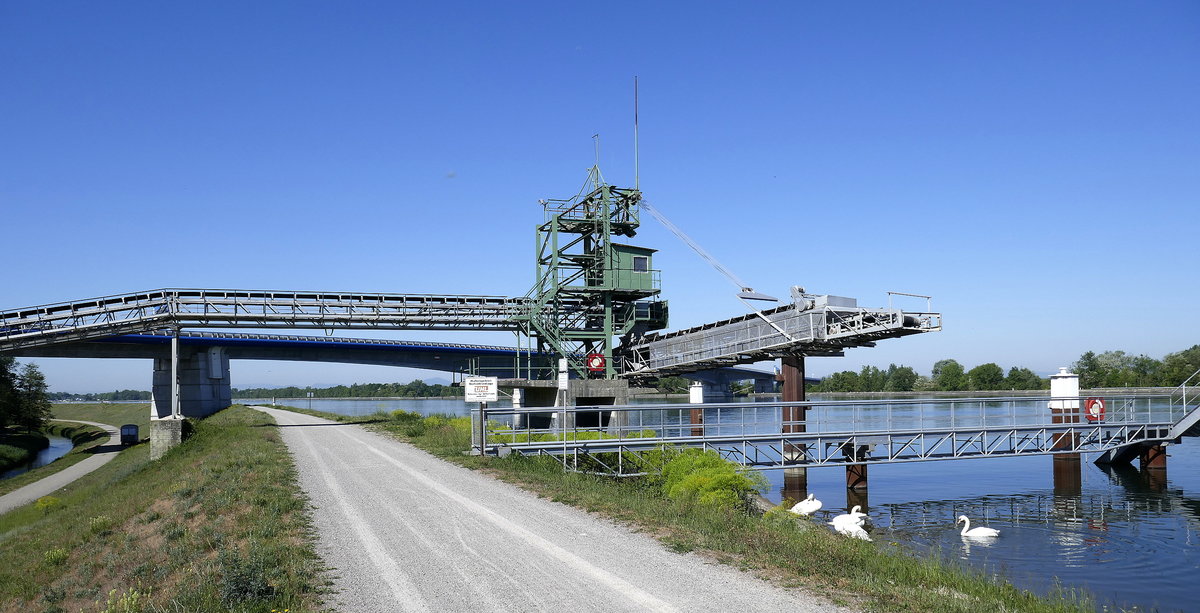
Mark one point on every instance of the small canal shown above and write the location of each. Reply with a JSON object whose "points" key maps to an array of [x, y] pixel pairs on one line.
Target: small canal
{"points": [[1129, 538], [58, 448]]}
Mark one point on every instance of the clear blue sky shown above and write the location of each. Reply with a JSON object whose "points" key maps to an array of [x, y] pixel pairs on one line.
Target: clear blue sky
{"points": [[1034, 166]]}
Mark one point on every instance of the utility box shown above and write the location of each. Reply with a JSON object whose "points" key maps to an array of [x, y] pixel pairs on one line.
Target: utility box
{"points": [[129, 434], [632, 269]]}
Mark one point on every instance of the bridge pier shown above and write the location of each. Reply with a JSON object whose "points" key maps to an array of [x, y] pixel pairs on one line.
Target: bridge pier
{"points": [[197, 379], [791, 372], [1153, 457]]}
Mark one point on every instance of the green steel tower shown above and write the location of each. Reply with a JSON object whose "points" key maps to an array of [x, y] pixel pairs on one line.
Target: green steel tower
{"points": [[590, 288]]}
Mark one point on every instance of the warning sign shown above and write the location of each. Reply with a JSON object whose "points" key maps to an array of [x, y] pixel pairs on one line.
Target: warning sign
{"points": [[481, 389]]}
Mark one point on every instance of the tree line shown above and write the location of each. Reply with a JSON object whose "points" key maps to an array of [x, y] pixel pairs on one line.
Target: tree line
{"points": [[1119, 369], [1107, 369], [24, 404], [117, 395], [417, 388]]}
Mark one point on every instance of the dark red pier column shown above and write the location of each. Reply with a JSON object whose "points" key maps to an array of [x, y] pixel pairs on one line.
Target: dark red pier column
{"points": [[1153, 457], [795, 480]]}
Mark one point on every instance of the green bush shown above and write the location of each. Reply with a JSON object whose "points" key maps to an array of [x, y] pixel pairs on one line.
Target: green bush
{"points": [[707, 478]]}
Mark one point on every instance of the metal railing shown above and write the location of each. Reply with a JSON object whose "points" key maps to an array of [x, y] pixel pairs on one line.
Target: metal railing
{"points": [[618, 439]]}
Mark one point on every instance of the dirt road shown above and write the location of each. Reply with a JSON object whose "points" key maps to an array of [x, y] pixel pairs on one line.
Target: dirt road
{"points": [[405, 531]]}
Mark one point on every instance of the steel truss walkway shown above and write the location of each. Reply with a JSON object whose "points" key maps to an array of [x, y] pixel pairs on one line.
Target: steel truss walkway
{"points": [[203, 308], [837, 433]]}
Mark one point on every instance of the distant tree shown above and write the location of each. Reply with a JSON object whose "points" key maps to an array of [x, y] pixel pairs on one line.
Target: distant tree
{"points": [[1024, 379], [1177, 367], [948, 376], [8, 390], [985, 377], [900, 379], [33, 404], [673, 385], [1089, 371], [741, 388], [924, 384]]}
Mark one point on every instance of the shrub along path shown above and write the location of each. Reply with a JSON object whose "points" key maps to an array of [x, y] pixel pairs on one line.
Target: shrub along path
{"points": [[102, 454], [403, 530]]}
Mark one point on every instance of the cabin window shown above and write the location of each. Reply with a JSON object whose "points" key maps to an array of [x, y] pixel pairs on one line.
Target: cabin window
{"points": [[641, 263]]}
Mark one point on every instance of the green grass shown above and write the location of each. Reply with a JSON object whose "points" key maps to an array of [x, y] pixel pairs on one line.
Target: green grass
{"points": [[114, 413], [779, 546], [218, 524]]}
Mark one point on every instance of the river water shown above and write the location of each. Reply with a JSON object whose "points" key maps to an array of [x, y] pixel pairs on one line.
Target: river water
{"points": [[1126, 537], [58, 448]]}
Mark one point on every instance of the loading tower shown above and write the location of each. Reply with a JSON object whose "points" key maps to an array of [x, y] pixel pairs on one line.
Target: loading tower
{"points": [[589, 287]]}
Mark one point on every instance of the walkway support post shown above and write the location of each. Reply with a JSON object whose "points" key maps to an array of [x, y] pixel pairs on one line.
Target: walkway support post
{"points": [[1153, 457], [1064, 409], [696, 396], [795, 480]]}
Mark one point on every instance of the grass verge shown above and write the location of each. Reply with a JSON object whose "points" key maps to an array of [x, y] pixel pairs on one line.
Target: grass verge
{"points": [[218, 524], [790, 551]]}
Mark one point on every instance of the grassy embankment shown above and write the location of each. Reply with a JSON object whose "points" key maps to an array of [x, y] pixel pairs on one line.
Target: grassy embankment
{"points": [[791, 551], [83, 437], [218, 524]]}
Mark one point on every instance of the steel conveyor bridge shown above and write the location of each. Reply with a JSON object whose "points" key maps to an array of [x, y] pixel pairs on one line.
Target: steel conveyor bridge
{"points": [[147, 311]]}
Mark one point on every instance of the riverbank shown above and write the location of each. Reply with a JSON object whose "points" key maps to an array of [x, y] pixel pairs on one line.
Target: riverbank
{"points": [[775, 545], [19, 448], [217, 524]]}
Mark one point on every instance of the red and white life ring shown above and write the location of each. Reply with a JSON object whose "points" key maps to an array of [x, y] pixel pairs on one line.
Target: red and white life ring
{"points": [[1093, 409]]}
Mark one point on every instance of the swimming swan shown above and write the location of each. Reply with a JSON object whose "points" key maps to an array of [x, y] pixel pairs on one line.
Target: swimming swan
{"points": [[980, 532], [808, 506]]}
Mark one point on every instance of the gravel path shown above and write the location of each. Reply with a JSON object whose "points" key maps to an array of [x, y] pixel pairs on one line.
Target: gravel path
{"points": [[44, 487], [404, 531]]}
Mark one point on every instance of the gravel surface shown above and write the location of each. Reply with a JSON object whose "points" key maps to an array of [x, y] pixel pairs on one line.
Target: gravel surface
{"points": [[405, 531], [44, 487]]}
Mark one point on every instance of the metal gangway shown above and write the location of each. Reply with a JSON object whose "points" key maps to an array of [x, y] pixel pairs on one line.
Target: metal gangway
{"points": [[811, 325], [627, 440]]}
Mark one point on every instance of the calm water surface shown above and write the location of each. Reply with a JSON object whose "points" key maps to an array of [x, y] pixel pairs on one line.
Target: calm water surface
{"points": [[58, 448], [1129, 538]]}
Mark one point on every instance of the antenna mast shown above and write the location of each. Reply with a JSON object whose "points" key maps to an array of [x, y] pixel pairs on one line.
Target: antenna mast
{"points": [[636, 184]]}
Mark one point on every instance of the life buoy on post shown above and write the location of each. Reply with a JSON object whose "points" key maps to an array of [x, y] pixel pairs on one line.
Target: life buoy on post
{"points": [[1093, 409]]}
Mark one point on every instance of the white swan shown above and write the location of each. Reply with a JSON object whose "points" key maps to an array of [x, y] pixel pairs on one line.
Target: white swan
{"points": [[808, 506], [852, 531], [853, 518], [969, 532]]}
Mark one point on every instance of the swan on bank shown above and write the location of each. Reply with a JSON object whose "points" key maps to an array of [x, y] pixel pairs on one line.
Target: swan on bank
{"points": [[808, 506]]}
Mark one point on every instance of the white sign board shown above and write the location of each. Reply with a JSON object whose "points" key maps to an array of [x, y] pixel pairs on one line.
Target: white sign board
{"points": [[563, 378], [481, 389]]}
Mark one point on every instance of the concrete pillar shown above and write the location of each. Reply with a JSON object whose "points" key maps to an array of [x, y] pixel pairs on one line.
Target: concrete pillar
{"points": [[199, 378], [696, 396], [165, 434]]}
